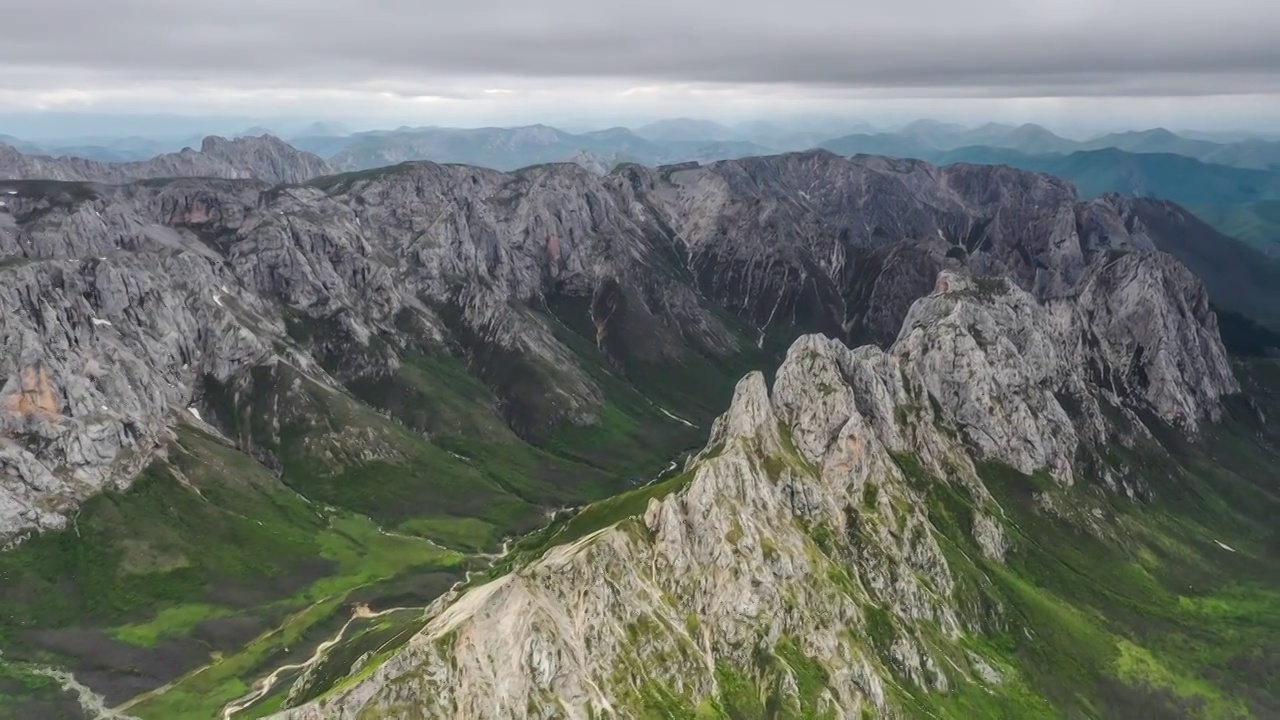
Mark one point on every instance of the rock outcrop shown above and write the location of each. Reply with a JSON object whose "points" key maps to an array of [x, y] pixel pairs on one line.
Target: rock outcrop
{"points": [[263, 158], [801, 542]]}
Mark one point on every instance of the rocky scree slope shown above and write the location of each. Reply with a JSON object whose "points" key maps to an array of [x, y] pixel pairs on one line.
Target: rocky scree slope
{"points": [[265, 158], [846, 545]]}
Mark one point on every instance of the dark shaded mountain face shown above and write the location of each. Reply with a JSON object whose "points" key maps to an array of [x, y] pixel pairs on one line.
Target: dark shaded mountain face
{"points": [[1242, 279], [1256, 223], [263, 158], [352, 386], [1171, 177], [857, 241], [1238, 201]]}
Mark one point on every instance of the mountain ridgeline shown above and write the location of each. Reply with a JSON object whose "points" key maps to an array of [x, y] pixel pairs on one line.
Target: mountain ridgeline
{"points": [[926, 137], [358, 386], [1230, 182], [265, 158]]}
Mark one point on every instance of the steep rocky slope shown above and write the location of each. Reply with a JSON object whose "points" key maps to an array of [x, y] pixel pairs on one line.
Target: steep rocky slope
{"points": [[430, 260], [263, 158], [844, 246], [853, 542], [422, 360], [367, 270]]}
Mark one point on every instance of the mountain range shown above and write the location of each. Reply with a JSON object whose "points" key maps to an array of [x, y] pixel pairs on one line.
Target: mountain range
{"points": [[1228, 181], [446, 441], [263, 158], [673, 140], [926, 137]]}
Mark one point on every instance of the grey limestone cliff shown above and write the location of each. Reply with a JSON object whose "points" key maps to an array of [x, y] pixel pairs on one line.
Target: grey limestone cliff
{"points": [[121, 303]]}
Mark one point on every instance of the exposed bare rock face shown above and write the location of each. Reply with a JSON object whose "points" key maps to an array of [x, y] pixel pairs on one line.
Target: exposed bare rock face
{"points": [[119, 304], [159, 288], [263, 158], [844, 246], [806, 527]]}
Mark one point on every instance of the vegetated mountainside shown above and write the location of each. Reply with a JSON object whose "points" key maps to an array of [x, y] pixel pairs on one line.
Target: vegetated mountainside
{"points": [[1019, 509], [928, 140], [1251, 153], [1256, 223], [1171, 177], [263, 158], [369, 378], [924, 138]]}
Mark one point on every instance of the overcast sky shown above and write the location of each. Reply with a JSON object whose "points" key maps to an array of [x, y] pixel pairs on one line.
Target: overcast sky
{"points": [[1177, 63]]}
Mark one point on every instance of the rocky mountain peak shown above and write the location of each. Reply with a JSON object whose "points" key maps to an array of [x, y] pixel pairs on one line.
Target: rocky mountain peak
{"points": [[591, 162], [804, 515], [750, 415]]}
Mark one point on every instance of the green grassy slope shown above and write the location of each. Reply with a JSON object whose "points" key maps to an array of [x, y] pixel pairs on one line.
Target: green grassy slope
{"points": [[1256, 223], [206, 563]]}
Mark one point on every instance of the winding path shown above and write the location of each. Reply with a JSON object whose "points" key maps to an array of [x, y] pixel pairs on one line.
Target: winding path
{"points": [[264, 686]]}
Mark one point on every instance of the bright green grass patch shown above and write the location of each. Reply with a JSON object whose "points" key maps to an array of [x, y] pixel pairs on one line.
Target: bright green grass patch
{"points": [[142, 566], [382, 638], [1140, 666], [364, 555], [169, 622], [202, 693], [1237, 604], [461, 533], [811, 680]]}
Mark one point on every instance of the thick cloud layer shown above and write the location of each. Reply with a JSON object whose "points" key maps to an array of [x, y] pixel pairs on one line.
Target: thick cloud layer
{"points": [[407, 48]]}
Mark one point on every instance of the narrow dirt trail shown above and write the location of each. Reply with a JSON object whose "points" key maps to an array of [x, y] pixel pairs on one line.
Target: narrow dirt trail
{"points": [[264, 686]]}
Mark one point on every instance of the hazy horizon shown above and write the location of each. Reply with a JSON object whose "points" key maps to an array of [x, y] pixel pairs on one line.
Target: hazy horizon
{"points": [[55, 126], [1088, 65]]}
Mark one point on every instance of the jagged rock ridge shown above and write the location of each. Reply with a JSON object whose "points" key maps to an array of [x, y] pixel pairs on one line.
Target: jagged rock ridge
{"points": [[195, 280], [803, 522]]}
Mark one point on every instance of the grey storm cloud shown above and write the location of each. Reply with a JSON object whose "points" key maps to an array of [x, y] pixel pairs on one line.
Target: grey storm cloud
{"points": [[1125, 47]]}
